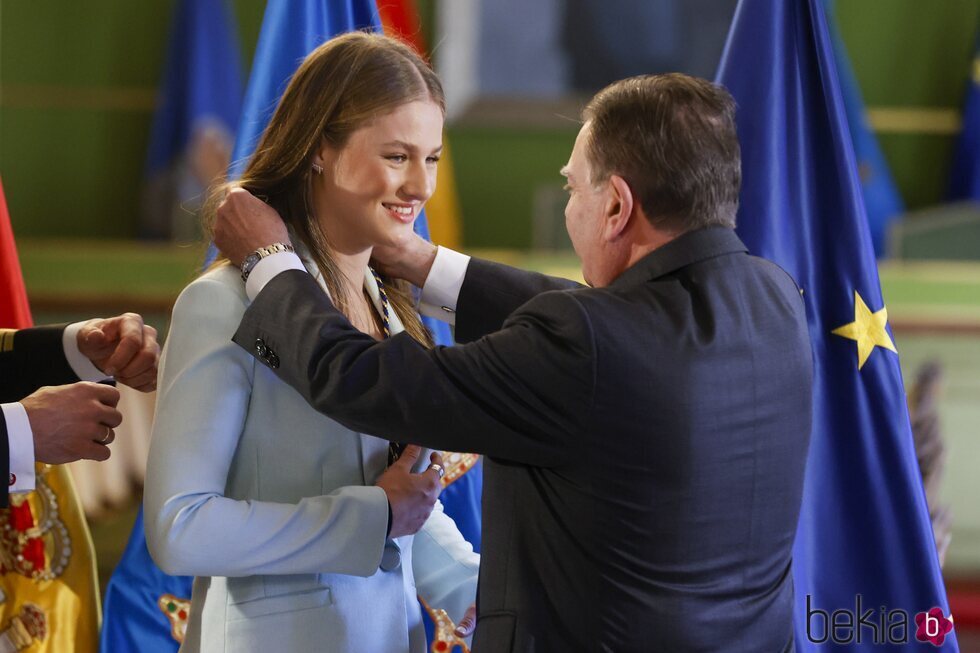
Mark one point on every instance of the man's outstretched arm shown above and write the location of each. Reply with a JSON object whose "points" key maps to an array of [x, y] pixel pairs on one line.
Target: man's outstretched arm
{"points": [[518, 394], [482, 293]]}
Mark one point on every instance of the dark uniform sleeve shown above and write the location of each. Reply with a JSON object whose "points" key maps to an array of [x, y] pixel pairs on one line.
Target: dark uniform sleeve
{"points": [[31, 358]]}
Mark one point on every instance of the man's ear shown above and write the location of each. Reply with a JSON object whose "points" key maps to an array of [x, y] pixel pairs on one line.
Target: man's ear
{"points": [[618, 208]]}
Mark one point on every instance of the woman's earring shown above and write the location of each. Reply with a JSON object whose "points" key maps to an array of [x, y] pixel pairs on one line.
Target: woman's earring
{"points": [[317, 168]]}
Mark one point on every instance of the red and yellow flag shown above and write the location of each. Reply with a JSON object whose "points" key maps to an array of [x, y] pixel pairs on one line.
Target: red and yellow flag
{"points": [[49, 595]]}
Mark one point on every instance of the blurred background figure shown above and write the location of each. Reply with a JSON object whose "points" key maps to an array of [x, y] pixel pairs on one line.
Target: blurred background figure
{"points": [[930, 449], [195, 121]]}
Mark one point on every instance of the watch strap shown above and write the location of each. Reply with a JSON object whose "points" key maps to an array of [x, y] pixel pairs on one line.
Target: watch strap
{"points": [[250, 261]]}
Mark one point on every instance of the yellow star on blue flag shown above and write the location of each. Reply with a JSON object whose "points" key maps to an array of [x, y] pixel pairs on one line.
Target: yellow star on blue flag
{"points": [[868, 329]]}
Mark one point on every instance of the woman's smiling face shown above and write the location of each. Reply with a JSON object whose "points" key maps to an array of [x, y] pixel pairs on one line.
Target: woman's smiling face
{"points": [[372, 189]]}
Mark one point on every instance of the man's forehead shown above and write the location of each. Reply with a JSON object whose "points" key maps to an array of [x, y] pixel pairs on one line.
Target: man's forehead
{"points": [[577, 166]]}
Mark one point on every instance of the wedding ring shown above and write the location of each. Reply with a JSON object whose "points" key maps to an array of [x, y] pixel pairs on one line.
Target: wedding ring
{"points": [[438, 468], [105, 438]]}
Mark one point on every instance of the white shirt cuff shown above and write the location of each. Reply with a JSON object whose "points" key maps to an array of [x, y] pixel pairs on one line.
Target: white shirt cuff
{"points": [[267, 268], [440, 292], [20, 441], [84, 368]]}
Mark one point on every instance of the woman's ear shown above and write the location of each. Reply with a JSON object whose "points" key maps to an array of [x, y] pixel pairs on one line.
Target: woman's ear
{"points": [[324, 156], [618, 208]]}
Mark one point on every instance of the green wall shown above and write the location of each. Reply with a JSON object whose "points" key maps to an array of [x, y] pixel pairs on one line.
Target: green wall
{"points": [[497, 171], [913, 53], [78, 83]]}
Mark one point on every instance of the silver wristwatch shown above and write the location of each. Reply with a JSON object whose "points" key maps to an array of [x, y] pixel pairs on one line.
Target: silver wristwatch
{"points": [[252, 259]]}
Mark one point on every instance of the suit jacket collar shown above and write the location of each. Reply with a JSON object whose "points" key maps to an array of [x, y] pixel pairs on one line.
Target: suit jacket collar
{"points": [[688, 248]]}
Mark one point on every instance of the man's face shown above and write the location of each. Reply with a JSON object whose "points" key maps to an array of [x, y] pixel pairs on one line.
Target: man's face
{"points": [[583, 213]]}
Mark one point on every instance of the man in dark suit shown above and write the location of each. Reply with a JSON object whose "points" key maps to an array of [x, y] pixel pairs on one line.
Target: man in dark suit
{"points": [[74, 417], [645, 437]]}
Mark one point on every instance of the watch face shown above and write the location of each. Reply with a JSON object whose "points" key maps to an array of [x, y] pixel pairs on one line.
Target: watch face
{"points": [[249, 263]]}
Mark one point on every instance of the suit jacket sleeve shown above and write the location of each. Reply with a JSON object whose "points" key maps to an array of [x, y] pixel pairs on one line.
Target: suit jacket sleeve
{"points": [[517, 394], [491, 292], [31, 358], [191, 527]]}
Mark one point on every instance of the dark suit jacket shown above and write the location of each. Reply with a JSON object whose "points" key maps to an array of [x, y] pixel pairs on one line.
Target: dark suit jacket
{"points": [[646, 441], [29, 359]]}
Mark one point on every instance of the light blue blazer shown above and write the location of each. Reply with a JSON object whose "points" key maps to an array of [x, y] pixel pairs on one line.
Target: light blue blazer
{"points": [[272, 506]]}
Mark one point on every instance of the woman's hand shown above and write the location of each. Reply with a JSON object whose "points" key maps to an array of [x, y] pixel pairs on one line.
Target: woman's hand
{"points": [[411, 496]]}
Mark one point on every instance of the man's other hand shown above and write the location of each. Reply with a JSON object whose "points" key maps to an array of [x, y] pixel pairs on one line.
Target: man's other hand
{"points": [[122, 347], [244, 223], [72, 421], [411, 260], [411, 496]]}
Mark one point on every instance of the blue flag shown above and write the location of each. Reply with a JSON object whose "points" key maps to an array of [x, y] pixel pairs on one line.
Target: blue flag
{"points": [[194, 125], [864, 544], [145, 609], [882, 201], [965, 175]]}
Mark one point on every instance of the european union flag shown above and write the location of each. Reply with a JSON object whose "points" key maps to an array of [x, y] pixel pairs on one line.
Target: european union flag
{"points": [[882, 201], [965, 176], [194, 126], [864, 540]]}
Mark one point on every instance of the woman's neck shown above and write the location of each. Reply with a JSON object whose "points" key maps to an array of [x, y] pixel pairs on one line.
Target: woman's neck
{"points": [[349, 257], [351, 268]]}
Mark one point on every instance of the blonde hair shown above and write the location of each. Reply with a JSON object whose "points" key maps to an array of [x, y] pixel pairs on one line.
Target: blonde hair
{"points": [[339, 87]]}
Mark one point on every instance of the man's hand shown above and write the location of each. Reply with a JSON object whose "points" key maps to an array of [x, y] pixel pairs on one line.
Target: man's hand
{"points": [[244, 223], [72, 421], [411, 496], [410, 261], [123, 347]]}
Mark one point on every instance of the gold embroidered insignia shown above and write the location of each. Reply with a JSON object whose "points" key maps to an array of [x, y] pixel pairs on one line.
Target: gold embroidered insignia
{"points": [[176, 610], [7, 339], [30, 626], [457, 464], [34, 541], [444, 638]]}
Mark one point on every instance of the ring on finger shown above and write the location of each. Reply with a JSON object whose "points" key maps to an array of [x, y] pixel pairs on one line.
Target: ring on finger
{"points": [[439, 469], [105, 438]]}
